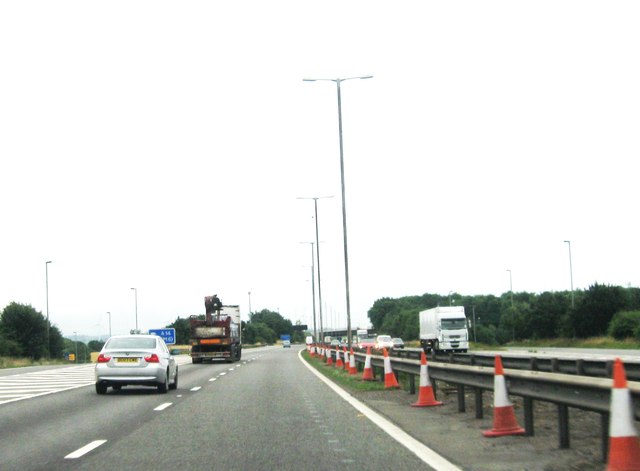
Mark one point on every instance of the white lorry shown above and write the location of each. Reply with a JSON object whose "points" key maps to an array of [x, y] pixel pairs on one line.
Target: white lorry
{"points": [[444, 329]]}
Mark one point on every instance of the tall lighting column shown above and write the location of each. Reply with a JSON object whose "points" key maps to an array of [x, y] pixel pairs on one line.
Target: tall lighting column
{"points": [[513, 321], [46, 275], [315, 205], [109, 324], [135, 290], [313, 290], [338, 81], [76, 334], [571, 274]]}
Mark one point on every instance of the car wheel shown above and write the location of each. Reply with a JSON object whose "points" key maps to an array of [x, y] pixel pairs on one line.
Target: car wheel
{"points": [[117, 387], [174, 385], [101, 388], [163, 387], [239, 353]]}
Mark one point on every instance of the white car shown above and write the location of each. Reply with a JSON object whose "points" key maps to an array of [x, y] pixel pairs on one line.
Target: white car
{"points": [[384, 341], [141, 360]]}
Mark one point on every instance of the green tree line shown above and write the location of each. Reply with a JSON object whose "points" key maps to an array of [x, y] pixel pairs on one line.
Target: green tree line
{"points": [[23, 333], [600, 310]]}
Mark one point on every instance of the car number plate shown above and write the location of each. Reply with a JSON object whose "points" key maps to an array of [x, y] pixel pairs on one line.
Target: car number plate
{"points": [[127, 360]]}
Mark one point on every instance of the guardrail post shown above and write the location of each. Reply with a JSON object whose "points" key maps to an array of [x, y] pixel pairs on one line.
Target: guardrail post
{"points": [[563, 425], [533, 364], [478, 403], [580, 367], [412, 384], [608, 369], [555, 365], [604, 433], [528, 416], [461, 404]]}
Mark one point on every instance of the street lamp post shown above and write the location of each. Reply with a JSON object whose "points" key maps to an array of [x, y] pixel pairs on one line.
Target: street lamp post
{"points": [[313, 290], [76, 333], [46, 274], [450, 297], [135, 290], [513, 322], [109, 323], [474, 323], [249, 303], [571, 274], [338, 81], [315, 205]]}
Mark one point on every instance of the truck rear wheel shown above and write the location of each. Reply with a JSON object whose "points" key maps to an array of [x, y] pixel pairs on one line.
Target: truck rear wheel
{"points": [[232, 354]]}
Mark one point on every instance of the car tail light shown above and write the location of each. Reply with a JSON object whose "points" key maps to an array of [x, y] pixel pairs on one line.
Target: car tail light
{"points": [[152, 359], [103, 359]]}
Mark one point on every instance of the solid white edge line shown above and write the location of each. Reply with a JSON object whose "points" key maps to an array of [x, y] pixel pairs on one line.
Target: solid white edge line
{"points": [[163, 406], [426, 454], [85, 449]]}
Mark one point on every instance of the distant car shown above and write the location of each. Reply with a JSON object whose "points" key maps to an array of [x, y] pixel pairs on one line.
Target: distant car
{"points": [[344, 343], [367, 342], [335, 343], [286, 344], [383, 341], [397, 342], [140, 360], [309, 340]]}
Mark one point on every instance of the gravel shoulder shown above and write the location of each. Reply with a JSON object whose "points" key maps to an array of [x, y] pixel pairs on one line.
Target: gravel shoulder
{"points": [[458, 435]]}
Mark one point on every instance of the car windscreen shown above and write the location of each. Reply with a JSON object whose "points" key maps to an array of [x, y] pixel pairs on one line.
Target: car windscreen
{"points": [[131, 343], [454, 324]]}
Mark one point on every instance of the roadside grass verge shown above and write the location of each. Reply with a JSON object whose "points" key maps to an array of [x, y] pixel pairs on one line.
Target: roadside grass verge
{"points": [[17, 362]]}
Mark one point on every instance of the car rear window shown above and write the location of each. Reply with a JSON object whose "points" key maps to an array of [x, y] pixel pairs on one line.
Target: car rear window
{"points": [[131, 343]]}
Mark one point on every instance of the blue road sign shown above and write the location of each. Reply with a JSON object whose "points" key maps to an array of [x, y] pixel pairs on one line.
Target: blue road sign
{"points": [[168, 335]]}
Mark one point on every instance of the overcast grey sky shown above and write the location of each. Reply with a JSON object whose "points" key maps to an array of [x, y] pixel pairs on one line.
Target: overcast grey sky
{"points": [[163, 146]]}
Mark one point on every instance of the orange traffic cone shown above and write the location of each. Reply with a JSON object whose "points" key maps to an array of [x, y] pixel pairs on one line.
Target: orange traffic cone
{"points": [[353, 370], [624, 449], [390, 380], [339, 362], [504, 417], [312, 352], [426, 397], [329, 357], [367, 373], [346, 358]]}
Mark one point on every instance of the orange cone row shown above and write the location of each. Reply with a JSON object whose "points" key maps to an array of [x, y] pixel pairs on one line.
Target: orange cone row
{"points": [[624, 445]]}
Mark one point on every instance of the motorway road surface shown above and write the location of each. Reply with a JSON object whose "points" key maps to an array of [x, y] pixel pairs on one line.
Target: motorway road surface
{"points": [[268, 412]]}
